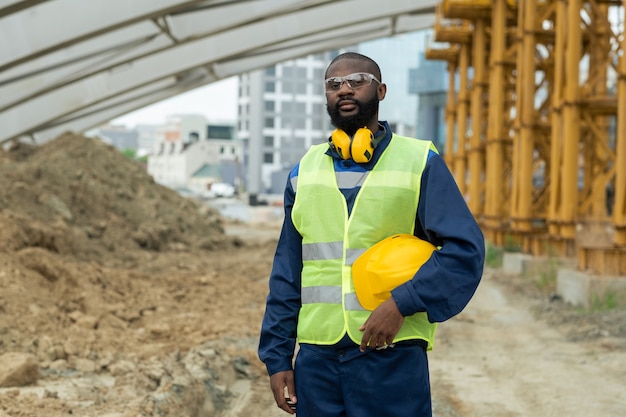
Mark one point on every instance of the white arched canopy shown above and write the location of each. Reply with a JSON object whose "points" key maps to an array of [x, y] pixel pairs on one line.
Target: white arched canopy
{"points": [[72, 65]]}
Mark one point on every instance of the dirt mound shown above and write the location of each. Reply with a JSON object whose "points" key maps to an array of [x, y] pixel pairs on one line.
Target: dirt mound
{"points": [[80, 197], [100, 268]]}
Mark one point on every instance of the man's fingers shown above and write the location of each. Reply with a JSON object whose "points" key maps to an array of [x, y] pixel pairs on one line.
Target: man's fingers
{"points": [[375, 341], [286, 405], [290, 396], [365, 340], [283, 387]]}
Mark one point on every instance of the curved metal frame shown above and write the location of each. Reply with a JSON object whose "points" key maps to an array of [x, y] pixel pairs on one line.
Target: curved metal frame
{"points": [[74, 65]]}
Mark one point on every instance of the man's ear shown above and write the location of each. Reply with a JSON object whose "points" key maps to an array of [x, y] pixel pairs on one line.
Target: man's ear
{"points": [[381, 91]]}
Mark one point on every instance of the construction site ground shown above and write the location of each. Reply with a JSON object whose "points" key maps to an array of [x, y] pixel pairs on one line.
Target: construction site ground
{"points": [[120, 298]]}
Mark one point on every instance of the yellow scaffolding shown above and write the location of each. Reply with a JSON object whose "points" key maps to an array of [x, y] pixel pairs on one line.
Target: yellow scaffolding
{"points": [[537, 135]]}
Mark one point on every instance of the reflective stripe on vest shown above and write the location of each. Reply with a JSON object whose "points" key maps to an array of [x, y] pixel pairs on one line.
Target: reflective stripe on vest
{"points": [[332, 240]]}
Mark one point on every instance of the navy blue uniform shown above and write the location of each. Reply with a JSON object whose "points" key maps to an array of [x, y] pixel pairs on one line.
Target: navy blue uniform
{"points": [[442, 288]]}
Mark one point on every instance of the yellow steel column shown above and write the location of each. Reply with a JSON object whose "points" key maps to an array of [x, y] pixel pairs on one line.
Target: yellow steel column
{"points": [[523, 146], [571, 123], [450, 115], [478, 117], [619, 208], [460, 157], [597, 154], [495, 128], [556, 146]]}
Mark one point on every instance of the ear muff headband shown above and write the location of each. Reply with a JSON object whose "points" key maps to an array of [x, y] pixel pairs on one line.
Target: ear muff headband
{"points": [[360, 147]]}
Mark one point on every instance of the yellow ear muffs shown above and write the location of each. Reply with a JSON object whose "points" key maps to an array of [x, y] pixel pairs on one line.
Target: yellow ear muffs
{"points": [[360, 147], [340, 142]]}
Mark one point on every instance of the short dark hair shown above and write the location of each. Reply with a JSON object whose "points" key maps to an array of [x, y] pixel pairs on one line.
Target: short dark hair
{"points": [[358, 57]]}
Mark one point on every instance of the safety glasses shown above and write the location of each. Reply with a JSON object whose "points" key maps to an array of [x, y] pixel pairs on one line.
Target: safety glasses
{"points": [[354, 81]]}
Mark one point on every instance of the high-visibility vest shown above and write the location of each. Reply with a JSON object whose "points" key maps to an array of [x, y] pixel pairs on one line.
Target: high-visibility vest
{"points": [[331, 240]]}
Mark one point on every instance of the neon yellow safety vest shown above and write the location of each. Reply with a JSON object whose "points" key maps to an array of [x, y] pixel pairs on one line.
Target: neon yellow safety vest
{"points": [[331, 240]]}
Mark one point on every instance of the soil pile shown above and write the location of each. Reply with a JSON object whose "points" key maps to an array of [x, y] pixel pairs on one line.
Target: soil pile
{"points": [[108, 276], [79, 197]]}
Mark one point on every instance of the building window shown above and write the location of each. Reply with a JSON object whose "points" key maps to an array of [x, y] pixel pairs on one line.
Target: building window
{"points": [[269, 122], [299, 122], [270, 86], [287, 107], [268, 141], [300, 108], [318, 87], [288, 86], [270, 71], [269, 105], [301, 73], [318, 122], [268, 158]]}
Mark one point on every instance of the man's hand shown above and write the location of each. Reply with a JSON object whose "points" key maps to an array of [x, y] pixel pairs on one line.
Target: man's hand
{"points": [[284, 390], [381, 326]]}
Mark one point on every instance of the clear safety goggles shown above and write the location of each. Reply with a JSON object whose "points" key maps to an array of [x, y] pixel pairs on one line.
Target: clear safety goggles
{"points": [[354, 81]]}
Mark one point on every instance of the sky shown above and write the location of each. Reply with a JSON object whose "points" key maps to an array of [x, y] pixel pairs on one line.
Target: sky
{"points": [[216, 101]]}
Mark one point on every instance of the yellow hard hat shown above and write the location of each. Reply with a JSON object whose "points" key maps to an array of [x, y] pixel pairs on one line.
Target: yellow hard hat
{"points": [[386, 265]]}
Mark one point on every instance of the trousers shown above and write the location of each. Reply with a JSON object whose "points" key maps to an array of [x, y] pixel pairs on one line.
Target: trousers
{"points": [[392, 382]]}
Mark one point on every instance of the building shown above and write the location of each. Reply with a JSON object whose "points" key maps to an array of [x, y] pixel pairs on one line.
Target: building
{"points": [[429, 81], [147, 137], [194, 154], [281, 114], [117, 136]]}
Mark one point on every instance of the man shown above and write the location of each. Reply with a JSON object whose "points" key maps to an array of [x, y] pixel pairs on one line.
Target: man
{"points": [[341, 199]]}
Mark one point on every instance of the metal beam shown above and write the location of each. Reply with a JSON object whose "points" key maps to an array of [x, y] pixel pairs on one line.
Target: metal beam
{"points": [[619, 211], [478, 115], [496, 135], [36, 31], [571, 123], [129, 39], [91, 117], [8, 7], [70, 64], [523, 141], [28, 116]]}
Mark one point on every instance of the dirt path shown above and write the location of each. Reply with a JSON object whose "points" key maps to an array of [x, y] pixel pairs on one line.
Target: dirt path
{"points": [[498, 359]]}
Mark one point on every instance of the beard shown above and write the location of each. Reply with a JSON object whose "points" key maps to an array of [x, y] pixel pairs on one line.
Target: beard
{"points": [[350, 124]]}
